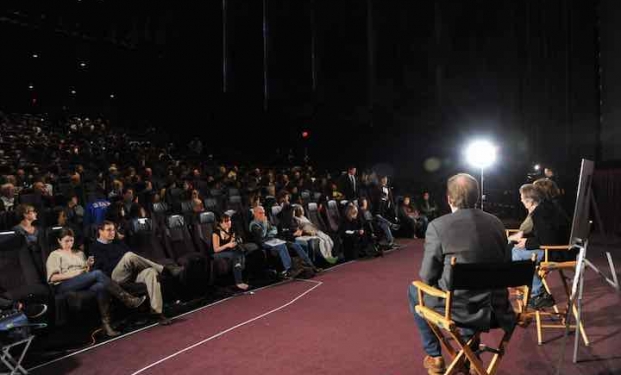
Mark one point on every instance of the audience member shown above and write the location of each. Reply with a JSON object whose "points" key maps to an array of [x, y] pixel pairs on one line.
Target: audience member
{"points": [[69, 271], [117, 261]]}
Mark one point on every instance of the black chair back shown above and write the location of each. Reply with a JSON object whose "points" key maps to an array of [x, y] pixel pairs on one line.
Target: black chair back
{"points": [[481, 276]]}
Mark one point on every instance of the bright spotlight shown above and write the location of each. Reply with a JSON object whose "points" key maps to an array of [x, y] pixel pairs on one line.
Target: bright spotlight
{"points": [[537, 167], [481, 154]]}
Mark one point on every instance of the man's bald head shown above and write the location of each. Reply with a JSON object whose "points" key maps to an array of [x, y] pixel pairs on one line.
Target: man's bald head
{"points": [[462, 191], [258, 212]]}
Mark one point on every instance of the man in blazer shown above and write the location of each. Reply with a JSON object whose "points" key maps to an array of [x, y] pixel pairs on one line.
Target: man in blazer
{"points": [[472, 236], [349, 185]]}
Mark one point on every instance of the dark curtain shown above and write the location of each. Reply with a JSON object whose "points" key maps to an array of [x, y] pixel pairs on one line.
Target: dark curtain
{"points": [[607, 190]]}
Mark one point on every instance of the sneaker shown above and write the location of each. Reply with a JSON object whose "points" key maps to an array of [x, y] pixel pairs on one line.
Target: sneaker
{"points": [[541, 301], [434, 365]]}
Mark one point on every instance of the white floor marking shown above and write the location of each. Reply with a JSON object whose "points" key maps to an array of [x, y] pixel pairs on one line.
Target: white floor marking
{"points": [[318, 283]]}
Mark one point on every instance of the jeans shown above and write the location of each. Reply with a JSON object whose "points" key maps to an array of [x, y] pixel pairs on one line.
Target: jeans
{"points": [[385, 227], [518, 253], [238, 259], [95, 281], [283, 253], [302, 250], [431, 344]]}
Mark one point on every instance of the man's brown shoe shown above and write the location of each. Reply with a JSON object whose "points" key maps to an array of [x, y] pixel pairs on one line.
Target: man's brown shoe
{"points": [[434, 365]]}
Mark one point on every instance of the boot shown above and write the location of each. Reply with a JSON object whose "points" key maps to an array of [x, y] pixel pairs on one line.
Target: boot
{"points": [[106, 320], [128, 300]]}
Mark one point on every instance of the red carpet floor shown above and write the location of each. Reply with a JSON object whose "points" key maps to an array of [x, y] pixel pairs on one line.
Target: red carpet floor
{"points": [[353, 319]]}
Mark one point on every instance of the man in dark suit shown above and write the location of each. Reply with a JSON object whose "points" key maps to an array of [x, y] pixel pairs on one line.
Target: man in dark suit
{"points": [[472, 236], [350, 185], [383, 200]]}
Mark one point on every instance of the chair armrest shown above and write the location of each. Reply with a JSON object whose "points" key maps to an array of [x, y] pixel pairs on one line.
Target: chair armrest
{"points": [[547, 248], [435, 318], [511, 231], [432, 291]]}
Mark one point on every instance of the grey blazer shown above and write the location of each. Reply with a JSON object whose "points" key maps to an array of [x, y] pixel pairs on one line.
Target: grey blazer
{"points": [[472, 236]]}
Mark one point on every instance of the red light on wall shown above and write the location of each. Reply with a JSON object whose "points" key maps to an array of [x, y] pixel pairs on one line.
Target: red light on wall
{"points": [[305, 134]]}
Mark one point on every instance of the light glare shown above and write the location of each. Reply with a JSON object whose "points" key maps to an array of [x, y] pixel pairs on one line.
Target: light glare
{"points": [[481, 154]]}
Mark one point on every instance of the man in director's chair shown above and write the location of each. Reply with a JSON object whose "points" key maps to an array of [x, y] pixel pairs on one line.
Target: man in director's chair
{"points": [[465, 273]]}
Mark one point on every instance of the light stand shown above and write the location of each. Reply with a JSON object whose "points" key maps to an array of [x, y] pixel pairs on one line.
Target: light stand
{"points": [[482, 194]]}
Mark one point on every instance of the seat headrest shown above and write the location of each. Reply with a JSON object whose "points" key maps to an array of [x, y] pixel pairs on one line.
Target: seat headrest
{"points": [[276, 210], [206, 217], [210, 202], [215, 192], [332, 204], [305, 194], [312, 206], [186, 206], [175, 221], [344, 202], [235, 199], [160, 207], [141, 225]]}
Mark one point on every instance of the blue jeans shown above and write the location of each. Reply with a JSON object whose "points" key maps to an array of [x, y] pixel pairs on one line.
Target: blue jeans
{"points": [[385, 227], [283, 253], [431, 344], [95, 281], [518, 253], [238, 259], [302, 250]]}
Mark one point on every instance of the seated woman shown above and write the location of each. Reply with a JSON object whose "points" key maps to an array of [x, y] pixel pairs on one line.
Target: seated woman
{"points": [[357, 242], [415, 223], [309, 229], [27, 216], [225, 246], [68, 270]]}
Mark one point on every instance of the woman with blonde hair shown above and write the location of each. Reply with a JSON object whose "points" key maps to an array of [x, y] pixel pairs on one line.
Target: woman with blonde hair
{"points": [[309, 229], [357, 243]]}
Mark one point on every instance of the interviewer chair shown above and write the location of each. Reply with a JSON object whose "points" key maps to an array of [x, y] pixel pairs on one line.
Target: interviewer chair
{"points": [[564, 263], [475, 276]]}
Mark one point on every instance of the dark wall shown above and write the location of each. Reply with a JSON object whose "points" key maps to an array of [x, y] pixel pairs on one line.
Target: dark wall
{"points": [[391, 82], [610, 58]]}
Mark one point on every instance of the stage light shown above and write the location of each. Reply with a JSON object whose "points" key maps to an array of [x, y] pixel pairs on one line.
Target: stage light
{"points": [[30, 87], [537, 167], [305, 134], [82, 64], [481, 154], [111, 96], [73, 92], [35, 56]]}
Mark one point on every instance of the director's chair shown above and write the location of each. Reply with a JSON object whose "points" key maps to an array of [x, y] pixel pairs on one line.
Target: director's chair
{"points": [[475, 276], [558, 314]]}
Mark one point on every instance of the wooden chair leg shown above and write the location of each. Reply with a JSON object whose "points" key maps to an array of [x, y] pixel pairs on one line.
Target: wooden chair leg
{"points": [[539, 333]]}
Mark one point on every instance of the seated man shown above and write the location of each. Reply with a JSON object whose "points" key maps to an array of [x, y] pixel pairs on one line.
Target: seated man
{"points": [[117, 261], [550, 226], [471, 236], [262, 232]]}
